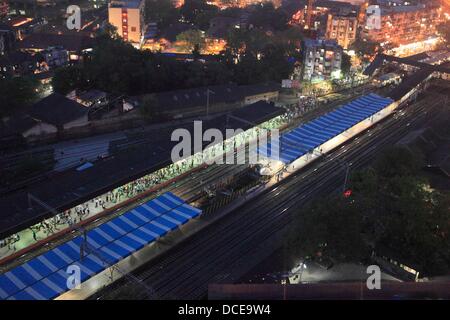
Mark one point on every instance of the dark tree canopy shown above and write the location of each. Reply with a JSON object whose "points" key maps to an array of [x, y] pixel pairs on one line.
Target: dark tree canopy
{"points": [[162, 12], [17, 93], [198, 12], [116, 67], [364, 48], [346, 63], [390, 211], [398, 161], [444, 30], [265, 15]]}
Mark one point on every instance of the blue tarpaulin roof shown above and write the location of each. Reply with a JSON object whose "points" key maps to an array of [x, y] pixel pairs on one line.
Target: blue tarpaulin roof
{"points": [[45, 276], [309, 136]]}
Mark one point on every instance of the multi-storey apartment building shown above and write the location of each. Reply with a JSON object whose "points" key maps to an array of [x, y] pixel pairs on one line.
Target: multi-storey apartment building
{"points": [[404, 24], [128, 17], [241, 3], [4, 8], [322, 60], [342, 28], [98, 3], [177, 3]]}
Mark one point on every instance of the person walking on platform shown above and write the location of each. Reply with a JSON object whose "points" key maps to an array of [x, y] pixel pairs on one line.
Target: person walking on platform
{"points": [[34, 234]]}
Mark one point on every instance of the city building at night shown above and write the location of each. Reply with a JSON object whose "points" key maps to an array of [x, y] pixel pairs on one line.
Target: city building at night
{"points": [[128, 18], [322, 60], [297, 11], [165, 149], [402, 25], [98, 3], [177, 3], [7, 38], [239, 3], [75, 44], [4, 8], [342, 28]]}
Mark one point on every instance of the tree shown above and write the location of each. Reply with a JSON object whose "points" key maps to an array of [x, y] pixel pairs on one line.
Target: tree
{"points": [[365, 180], [390, 212], [17, 93], [108, 31], [233, 12], [253, 58], [196, 52], [290, 39], [116, 67], [332, 228], [265, 15], [364, 49], [149, 107], [67, 79], [415, 231], [248, 41], [398, 162], [198, 12], [162, 12], [444, 31], [191, 39], [346, 64]]}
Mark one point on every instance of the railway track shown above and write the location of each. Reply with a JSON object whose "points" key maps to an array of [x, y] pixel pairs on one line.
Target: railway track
{"points": [[186, 270]]}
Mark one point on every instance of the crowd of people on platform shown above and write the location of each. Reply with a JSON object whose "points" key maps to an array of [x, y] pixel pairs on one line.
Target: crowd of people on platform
{"points": [[303, 105], [10, 242], [72, 216]]}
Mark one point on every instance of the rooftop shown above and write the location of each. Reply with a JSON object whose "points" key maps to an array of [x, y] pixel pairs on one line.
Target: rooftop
{"points": [[320, 42], [16, 124], [188, 98], [17, 57], [70, 42], [291, 7], [401, 9], [134, 4], [170, 33], [58, 110], [92, 95]]}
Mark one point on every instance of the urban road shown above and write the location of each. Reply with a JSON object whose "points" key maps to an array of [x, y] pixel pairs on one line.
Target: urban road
{"points": [[226, 250]]}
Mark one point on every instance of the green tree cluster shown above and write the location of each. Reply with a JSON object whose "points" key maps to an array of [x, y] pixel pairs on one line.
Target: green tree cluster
{"points": [[364, 49], [391, 211], [264, 15], [162, 12], [17, 93], [193, 39], [198, 12], [115, 66]]}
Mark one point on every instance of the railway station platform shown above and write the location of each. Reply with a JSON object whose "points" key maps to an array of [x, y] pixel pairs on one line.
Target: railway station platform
{"points": [[47, 277]]}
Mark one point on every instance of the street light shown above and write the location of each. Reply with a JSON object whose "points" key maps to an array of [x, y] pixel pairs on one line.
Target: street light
{"points": [[208, 91]]}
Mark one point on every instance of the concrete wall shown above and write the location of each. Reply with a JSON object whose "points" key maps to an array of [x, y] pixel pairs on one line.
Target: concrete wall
{"points": [[267, 96], [134, 21], [40, 129], [83, 121]]}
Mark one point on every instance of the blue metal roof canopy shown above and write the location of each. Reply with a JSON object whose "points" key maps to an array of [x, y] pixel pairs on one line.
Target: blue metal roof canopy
{"points": [[309, 136], [45, 276]]}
